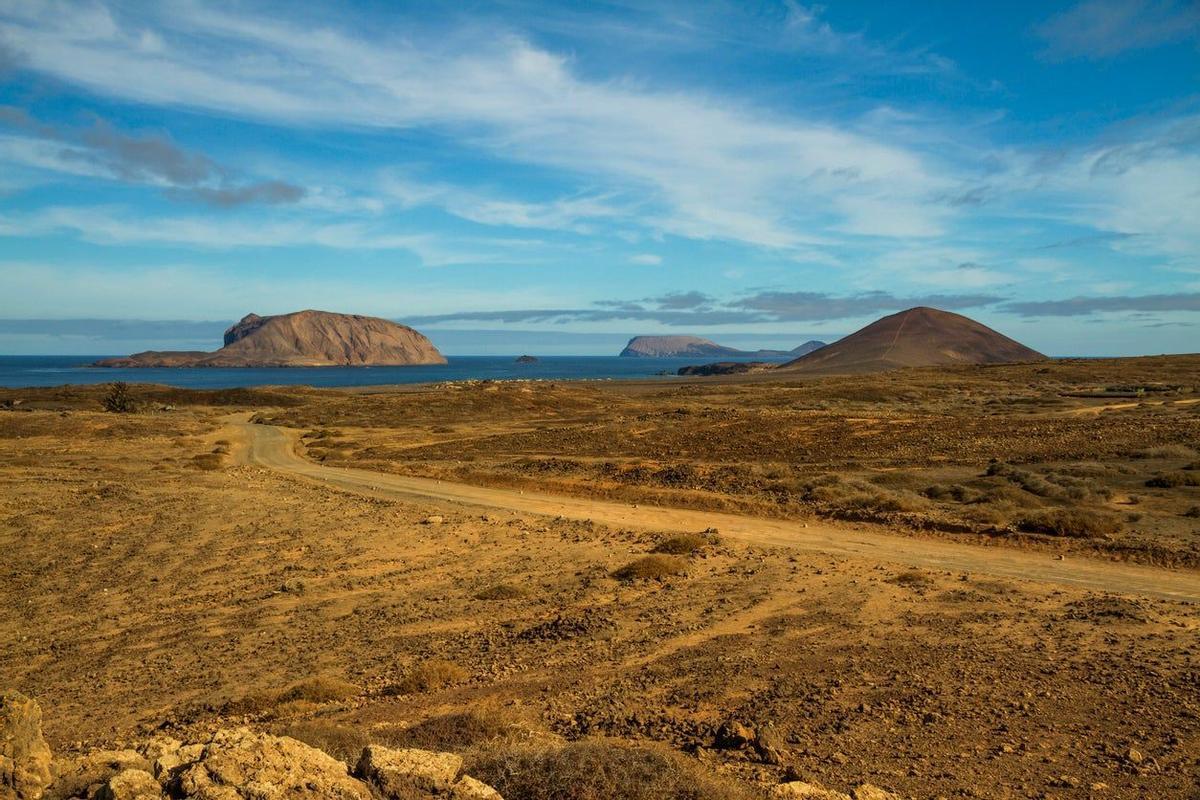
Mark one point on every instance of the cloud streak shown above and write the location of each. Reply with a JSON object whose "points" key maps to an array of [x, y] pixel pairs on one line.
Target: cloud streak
{"points": [[149, 159], [1080, 306], [1097, 29]]}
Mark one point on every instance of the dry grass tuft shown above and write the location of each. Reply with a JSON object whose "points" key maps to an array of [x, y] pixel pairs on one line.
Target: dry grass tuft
{"points": [[596, 770], [684, 544], [501, 591], [651, 567], [1071, 523], [429, 676], [1172, 480], [453, 732], [297, 698]]}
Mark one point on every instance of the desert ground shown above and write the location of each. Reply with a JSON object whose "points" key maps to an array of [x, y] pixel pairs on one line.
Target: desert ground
{"points": [[968, 582]]}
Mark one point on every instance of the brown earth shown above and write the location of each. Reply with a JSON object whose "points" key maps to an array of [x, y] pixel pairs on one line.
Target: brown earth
{"points": [[918, 337], [164, 578], [302, 339]]}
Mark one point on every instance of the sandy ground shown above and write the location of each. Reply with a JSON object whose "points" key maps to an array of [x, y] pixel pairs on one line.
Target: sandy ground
{"points": [[147, 581]]}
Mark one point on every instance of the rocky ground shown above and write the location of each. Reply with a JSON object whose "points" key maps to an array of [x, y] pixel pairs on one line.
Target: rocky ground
{"points": [[161, 590]]}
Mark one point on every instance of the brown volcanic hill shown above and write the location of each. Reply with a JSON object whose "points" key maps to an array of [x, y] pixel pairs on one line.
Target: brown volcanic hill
{"points": [[918, 337], [302, 339]]}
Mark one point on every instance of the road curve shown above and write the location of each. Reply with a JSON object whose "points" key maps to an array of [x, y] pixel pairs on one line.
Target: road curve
{"points": [[275, 447]]}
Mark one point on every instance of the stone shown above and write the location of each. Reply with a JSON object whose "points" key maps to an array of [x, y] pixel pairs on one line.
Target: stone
{"points": [[240, 764], [433, 519], [733, 735], [88, 773], [24, 755], [397, 771], [868, 791], [799, 790], [467, 788], [131, 784], [1134, 756]]}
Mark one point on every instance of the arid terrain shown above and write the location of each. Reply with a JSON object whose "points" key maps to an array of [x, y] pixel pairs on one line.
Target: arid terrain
{"points": [[964, 582]]}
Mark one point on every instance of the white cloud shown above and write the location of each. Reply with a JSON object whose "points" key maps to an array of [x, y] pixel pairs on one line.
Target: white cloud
{"points": [[1104, 28], [648, 259], [713, 167]]}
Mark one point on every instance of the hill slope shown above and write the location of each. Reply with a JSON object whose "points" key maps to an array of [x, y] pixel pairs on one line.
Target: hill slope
{"points": [[918, 337], [688, 346], [302, 339]]}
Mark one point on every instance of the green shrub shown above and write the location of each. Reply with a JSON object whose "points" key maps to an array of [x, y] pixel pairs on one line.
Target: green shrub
{"points": [[119, 400]]}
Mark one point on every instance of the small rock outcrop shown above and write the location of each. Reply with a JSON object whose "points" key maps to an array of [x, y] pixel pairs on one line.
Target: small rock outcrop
{"points": [[24, 755], [240, 763], [799, 790], [302, 339], [527, 360]]}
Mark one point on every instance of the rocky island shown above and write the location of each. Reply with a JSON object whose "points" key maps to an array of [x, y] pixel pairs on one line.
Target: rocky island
{"points": [[689, 346], [301, 339]]}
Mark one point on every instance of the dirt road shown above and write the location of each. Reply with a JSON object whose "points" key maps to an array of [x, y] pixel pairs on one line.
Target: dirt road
{"points": [[275, 447]]}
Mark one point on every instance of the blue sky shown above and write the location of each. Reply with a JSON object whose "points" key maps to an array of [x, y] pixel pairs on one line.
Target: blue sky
{"points": [[755, 172]]}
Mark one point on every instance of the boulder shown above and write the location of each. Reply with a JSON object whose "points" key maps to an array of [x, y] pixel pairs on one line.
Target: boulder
{"points": [[869, 791], [239, 764], [24, 754], [799, 790], [396, 772], [467, 788], [733, 735], [131, 784], [87, 774]]}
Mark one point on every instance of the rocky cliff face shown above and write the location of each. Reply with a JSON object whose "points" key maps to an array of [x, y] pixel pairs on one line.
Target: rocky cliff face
{"points": [[302, 339]]}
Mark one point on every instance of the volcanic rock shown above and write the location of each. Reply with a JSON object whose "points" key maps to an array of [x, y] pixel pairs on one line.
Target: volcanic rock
{"points": [[24, 755], [918, 337], [302, 339]]}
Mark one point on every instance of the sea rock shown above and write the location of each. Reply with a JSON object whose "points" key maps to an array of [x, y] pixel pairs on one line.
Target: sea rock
{"points": [[302, 339], [24, 755], [239, 764], [397, 772], [131, 784]]}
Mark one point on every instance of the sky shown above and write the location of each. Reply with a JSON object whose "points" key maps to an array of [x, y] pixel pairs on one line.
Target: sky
{"points": [[560, 176]]}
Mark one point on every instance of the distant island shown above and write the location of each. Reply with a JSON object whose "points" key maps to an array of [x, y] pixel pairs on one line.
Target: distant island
{"points": [[695, 346], [917, 337], [301, 339], [527, 359]]}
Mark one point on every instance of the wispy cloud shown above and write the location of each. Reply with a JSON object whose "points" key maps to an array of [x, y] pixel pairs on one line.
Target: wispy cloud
{"points": [[1079, 306], [696, 309], [1105, 28], [152, 159]]}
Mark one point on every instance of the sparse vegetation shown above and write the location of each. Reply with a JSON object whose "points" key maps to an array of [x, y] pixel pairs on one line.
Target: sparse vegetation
{"points": [[1172, 480], [652, 567], [500, 591], [683, 544], [1074, 523], [309, 692], [429, 676], [596, 770], [119, 400]]}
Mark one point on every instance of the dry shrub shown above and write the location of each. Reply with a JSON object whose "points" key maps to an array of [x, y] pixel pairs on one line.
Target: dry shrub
{"points": [[682, 545], [860, 495], [299, 697], [1171, 480], [654, 566], [1074, 523], [429, 676], [501, 591], [955, 491], [319, 689], [913, 578], [208, 462], [1193, 512], [452, 732], [343, 742], [1166, 451], [596, 770]]}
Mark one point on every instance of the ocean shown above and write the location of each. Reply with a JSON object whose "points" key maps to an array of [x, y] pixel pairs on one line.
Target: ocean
{"points": [[21, 371]]}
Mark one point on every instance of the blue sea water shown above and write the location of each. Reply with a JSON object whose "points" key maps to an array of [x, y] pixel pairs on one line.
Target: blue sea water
{"points": [[21, 371]]}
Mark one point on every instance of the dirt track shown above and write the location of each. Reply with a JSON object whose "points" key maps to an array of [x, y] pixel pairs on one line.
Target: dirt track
{"points": [[275, 447]]}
